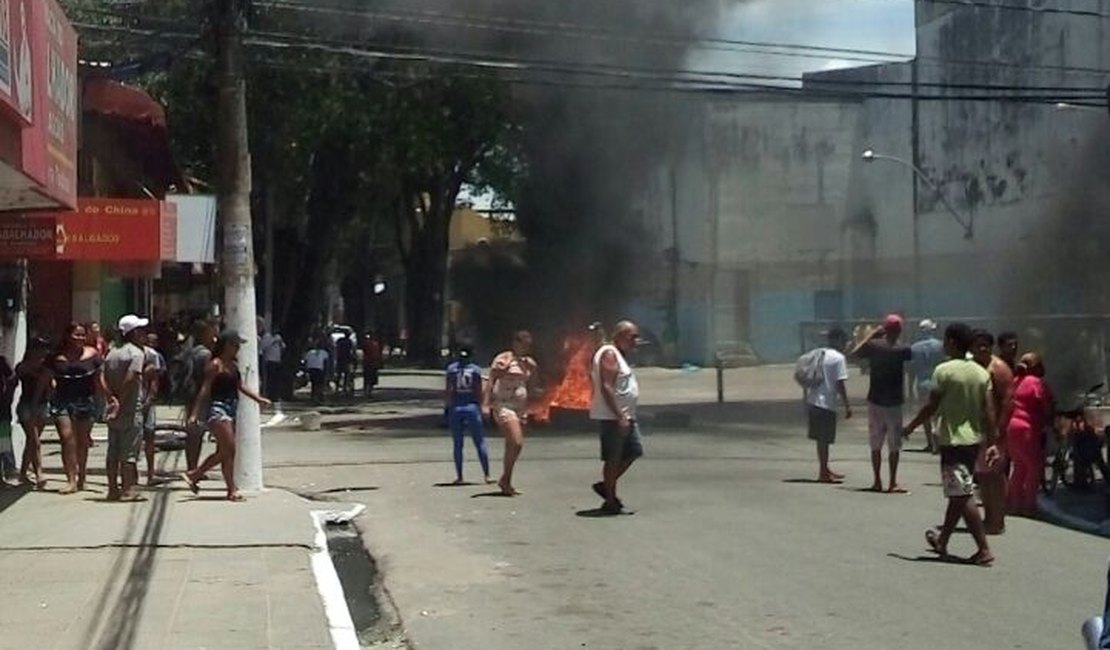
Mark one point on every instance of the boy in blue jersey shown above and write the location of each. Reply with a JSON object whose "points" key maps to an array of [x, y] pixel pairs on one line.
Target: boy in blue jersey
{"points": [[464, 411]]}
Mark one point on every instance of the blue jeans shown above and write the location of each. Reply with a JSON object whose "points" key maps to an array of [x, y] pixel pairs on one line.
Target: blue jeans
{"points": [[468, 417]]}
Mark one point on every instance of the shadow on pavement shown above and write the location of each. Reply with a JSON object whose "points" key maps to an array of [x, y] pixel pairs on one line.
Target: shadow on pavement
{"points": [[599, 513], [935, 559], [9, 495], [809, 481], [485, 495], [121, 601]]}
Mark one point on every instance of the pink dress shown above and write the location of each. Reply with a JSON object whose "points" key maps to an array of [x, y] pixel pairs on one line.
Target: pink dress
{"points": [[1032, 402]]}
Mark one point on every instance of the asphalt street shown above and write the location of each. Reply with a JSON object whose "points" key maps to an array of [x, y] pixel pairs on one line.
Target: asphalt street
{"points": [[731, 544]]}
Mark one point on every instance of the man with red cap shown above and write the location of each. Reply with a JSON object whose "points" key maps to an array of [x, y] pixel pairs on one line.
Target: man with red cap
{"points": [[886, 396]]}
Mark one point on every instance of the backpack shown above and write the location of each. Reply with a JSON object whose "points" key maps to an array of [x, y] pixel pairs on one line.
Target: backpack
{"points": [[809, 371]]}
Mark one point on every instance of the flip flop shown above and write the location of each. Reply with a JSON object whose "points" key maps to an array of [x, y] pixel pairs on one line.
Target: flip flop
{"points": [[898, 489], [979, 560], [190, 482], [933, 540], [236, 498]]}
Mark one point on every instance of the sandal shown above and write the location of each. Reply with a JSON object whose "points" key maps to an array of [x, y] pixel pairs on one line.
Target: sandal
{"points": [[981, 559], [190, 482], [236, 498], [933, 540]]}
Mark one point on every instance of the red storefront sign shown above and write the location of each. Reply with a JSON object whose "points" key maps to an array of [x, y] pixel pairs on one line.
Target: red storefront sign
{"points": [[50, 144], [16, 96], [102, 230]]}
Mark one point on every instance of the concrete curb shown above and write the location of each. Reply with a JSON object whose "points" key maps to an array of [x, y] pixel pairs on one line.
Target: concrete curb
{"points": [[1053, 514]]}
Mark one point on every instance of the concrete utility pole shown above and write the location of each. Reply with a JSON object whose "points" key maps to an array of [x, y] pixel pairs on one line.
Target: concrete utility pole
{"points": [[234, 169]]}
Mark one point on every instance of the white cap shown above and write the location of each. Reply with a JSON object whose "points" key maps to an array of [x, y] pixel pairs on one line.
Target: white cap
{"points": [[928, 325], [130, 323]]}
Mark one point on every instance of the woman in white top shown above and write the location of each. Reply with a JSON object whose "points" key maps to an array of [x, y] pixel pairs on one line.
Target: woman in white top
{"points": [[506, 399]]}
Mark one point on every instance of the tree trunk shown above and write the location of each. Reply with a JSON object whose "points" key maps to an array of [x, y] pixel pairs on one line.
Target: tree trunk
{"points": [[426, 271], [233, 164]]}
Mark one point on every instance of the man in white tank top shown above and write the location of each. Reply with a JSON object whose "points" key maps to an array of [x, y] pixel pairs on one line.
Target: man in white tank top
{"points": [[615, 397]]}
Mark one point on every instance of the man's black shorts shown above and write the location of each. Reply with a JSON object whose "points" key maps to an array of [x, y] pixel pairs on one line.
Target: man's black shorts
{"points": [[619, 446], [822, 424]]}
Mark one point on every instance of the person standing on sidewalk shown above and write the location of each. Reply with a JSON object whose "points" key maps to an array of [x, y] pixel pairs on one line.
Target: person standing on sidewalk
{"points": [[316, 364], [962, 396], [822, 399], [616, 395], [32, 409], [371, 363], [123, 375], [196, 363], [222, 385], [506, 398], [8, 383], [885, 396], [78, 373], [464, 411], [992, 479], [273, 350], [154, 369], [926, 354]]}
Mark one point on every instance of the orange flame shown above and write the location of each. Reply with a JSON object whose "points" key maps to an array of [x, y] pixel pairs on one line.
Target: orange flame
{"points": [[575, 389]]}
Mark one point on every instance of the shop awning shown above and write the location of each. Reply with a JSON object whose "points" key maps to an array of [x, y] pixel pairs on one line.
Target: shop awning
{"points": [[20, 192], [114, 99]]}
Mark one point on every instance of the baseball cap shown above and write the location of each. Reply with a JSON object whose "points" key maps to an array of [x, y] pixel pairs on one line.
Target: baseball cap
{"points": [[892, 322], [231, 336], [130, 323], [929, 325]]}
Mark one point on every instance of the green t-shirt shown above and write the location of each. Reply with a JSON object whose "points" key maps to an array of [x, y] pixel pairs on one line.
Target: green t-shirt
{"points": [[964, 388]]}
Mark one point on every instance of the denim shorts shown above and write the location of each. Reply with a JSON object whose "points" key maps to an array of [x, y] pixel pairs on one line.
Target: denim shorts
{"points": [[222, 411], [81, 409], [619, 446]]}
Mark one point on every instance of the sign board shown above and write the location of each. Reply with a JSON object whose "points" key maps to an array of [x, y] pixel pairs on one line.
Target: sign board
{"points": [[50, 144], [102, 230], [16, 76]]}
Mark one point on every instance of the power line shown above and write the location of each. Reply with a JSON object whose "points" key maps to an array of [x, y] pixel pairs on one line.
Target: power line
{"points": [[680, 82], [676, 79], [1002, 6], [581, 31]]}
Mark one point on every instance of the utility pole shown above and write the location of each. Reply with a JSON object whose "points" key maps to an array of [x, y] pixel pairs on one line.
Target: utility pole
{"points": [[234, 170]]}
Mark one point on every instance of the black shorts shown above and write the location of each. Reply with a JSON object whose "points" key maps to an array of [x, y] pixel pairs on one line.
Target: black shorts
{"points": [[619, 446], [822, 424]]}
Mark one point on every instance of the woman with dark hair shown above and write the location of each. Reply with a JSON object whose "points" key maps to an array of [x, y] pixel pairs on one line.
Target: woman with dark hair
{"points": [[506, 399], [220, 392], [78, 372], [32, 409]]}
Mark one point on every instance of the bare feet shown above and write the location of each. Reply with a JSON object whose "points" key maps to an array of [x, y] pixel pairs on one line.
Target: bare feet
{"points": [[932, 538], [506, 489], [190, 482]]}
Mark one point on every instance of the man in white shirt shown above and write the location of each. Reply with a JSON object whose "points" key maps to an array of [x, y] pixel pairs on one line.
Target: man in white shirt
{"points": [[823, 400], [616, 394], [272, 348]]}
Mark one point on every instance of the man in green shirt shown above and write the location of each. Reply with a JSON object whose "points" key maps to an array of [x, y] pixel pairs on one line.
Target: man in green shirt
{"points": [[961, 394]]}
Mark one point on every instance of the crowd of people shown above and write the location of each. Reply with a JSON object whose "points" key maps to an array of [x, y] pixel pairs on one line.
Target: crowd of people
{"points": [[82, 379], [984, 411], [505, 395]]}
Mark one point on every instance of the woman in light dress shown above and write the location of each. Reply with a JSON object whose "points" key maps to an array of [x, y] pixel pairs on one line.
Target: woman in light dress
{"points": [[506, 400]]}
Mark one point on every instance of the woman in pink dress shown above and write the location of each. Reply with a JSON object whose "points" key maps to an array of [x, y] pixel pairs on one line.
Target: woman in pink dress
{"points": [[1032, 413]]}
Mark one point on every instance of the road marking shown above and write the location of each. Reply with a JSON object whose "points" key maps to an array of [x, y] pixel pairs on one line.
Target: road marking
{"points": [[342, 628]]}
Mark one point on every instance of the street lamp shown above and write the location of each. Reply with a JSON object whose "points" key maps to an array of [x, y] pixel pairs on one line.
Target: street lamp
{"points": [[968, 224]]}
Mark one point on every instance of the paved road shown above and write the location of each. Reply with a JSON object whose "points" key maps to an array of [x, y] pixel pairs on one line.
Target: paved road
{"points": [[730, 546]]}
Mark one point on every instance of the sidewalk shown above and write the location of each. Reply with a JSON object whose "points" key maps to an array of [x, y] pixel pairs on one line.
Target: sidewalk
{"points": [[177, 571]]}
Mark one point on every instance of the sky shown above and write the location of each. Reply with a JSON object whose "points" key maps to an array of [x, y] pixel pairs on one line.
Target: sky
{"points": [[881, 25]]}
